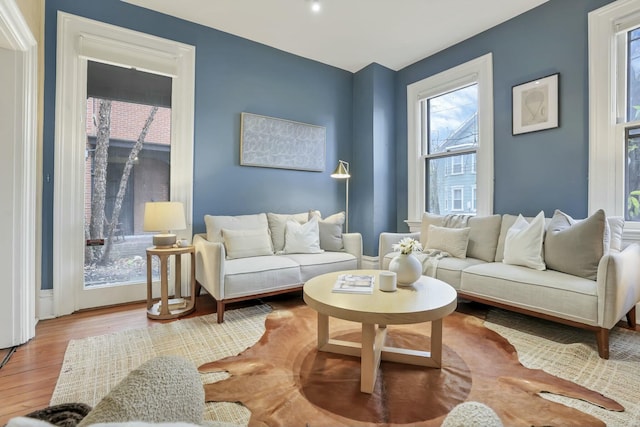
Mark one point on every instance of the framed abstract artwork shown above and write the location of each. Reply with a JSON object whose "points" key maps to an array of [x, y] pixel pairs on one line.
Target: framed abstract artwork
{"points": [[535, 105], [277, 143]]}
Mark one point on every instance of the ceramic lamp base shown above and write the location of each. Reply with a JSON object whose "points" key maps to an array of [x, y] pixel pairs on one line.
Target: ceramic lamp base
{"points": [[163, 241]]}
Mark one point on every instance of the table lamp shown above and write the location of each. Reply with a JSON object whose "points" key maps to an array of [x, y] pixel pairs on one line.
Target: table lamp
{"points": [[164, 217]]}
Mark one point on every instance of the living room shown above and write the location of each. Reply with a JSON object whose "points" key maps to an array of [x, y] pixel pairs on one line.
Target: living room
{"points": [[365, 114]]}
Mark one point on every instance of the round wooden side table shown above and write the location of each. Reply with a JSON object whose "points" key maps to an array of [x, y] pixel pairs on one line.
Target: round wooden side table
{"points": [[159, 308]]}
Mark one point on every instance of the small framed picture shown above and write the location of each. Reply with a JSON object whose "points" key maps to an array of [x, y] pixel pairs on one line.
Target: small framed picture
{"points": [[535, 105]]}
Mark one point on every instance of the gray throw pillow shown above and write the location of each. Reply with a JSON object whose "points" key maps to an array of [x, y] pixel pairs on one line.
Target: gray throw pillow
{"points": [[575, 247], [330, 231]]}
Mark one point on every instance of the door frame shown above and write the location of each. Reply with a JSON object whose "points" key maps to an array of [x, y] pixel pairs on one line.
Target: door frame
{"points": [[78, 40], [19, 277]]}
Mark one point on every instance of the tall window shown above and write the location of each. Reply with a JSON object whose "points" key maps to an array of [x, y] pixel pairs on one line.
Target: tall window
{"points": [[614, 112], [450, 137], [450, 141]]}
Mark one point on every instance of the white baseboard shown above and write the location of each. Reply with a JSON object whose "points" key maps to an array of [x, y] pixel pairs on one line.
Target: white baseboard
{"points": [[369, 263], [45, 304]]}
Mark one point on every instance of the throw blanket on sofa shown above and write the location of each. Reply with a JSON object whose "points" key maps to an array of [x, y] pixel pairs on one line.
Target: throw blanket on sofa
{"points": [[455, 221], [430, 259]]}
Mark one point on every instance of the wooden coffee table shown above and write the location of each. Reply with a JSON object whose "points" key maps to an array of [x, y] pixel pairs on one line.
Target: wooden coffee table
{"points": [[427, 300]]}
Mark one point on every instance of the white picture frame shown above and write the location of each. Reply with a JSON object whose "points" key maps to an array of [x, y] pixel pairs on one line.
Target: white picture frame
{"points": [[535, 105]]}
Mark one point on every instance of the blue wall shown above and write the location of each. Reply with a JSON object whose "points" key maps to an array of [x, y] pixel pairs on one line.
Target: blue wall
{"points": [[365, 115], [373, 154], [543, 170], [232, 75]]}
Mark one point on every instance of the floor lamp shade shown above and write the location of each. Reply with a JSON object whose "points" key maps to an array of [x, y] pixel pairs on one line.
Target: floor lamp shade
{"points": [[164, 217], [342, 172]]}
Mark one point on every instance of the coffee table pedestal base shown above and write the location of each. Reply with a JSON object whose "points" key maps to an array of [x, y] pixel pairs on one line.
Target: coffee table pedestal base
{"points": [[372, 350]]}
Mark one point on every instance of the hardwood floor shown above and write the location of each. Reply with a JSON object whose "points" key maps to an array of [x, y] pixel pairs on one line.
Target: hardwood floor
{"points": [[28, 379]]}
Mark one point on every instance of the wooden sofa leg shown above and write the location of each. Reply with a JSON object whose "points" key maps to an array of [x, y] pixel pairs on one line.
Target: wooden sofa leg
{"points": [[602, 337], [631, 318], [220, 311]]}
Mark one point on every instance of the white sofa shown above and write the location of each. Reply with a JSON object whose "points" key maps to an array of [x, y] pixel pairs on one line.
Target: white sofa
{"points": [[251, 256], [582, 277]]}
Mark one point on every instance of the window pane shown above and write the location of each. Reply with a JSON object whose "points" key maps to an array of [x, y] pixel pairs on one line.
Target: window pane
{"points": [[448, 192], [632, 174], [633, 75], [452, 120]]}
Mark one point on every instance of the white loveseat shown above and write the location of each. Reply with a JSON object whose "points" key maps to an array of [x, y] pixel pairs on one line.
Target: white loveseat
{"points": [[251, 256], [581, 274]]}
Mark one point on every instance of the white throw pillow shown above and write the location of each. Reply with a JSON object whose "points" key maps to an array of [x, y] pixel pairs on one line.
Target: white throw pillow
{"points": [[523, 243], [302, 238], [277, 223], [247, 243], [215, 224], [454, 241]]}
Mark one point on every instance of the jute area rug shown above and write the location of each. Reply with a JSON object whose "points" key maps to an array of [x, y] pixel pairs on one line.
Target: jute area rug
{"points": [[94, 365]]}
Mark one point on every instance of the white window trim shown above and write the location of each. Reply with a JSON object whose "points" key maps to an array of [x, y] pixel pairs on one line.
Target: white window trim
{"points": [[474, 198], [606, 150], [479, 70], [453, 198], [80, 39]]}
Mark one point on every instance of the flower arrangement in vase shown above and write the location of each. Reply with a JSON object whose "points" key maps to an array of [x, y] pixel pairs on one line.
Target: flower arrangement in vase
{"points": [[406, 266]]}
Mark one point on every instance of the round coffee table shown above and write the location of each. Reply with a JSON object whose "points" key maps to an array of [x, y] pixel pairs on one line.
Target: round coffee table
{"points": [[427, 300]]}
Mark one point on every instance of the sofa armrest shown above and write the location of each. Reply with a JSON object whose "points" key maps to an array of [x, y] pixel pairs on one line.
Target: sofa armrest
{"points": [[618, 285], [210, 257], [353, 244], [387, 240]]}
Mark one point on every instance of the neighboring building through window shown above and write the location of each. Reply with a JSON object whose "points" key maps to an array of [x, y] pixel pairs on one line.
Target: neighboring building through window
{"points": [[450, 141], [614, 112]]}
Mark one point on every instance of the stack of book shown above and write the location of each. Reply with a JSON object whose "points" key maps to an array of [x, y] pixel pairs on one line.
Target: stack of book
{"points": [[354, 284], [175, 303]]}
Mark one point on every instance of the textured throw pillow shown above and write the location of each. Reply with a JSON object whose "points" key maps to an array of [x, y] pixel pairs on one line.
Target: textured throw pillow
{"points": [[575, 247], [277, 225], [454, 241], [302, 238], [247, 243], [483, 237], [428, 219], [330, 231], [215, 224], [523, 243]]}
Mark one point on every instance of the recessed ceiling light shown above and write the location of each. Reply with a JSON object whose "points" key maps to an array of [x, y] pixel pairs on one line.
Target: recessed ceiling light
{"points": [[315, 6]]}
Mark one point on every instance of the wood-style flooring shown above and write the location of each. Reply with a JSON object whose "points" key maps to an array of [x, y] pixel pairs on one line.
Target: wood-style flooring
{"points": [[28, 379]]}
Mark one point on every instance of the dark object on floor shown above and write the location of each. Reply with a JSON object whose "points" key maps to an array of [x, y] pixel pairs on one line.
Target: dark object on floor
{"points": [[64, 415]]}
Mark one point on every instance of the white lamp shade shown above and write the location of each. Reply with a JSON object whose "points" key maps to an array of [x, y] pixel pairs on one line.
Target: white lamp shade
{"points": [[164, 216]]}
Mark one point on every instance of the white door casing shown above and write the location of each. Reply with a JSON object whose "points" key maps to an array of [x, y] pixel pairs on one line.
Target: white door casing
{"points": [[79, 40], [18, 139]]}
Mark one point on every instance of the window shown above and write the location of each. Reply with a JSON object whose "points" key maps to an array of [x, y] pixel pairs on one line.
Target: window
{"points": [[474, 197], [450, 141], [457, 196], [614, 112], [456, 165]]}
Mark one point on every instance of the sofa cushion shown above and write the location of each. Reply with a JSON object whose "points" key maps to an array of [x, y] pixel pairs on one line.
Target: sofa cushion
{"points": [[551, 292], [483, 236], [575, 247], [215, 224], [277, 226], [302, 238], [507, 222], [448, 269], [454, 241], [523, 243], [312, 265], [250, 276], [247, 243], [330, 231]]}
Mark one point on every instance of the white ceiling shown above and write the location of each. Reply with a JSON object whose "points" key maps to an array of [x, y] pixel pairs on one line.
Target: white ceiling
{"points": [[349, 34]]}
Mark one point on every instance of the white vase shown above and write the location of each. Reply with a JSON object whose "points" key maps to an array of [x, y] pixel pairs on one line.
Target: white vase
{"points": [[407, 268]]}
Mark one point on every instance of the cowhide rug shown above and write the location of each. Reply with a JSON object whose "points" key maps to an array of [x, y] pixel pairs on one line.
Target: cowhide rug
{"points": [[284, 381]]}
